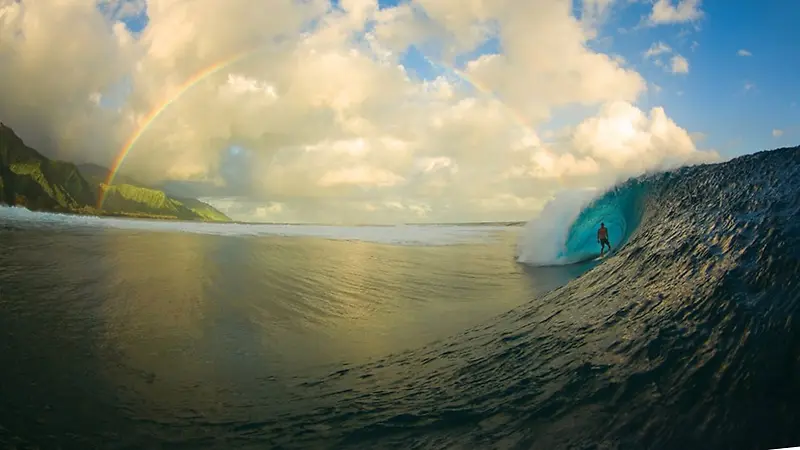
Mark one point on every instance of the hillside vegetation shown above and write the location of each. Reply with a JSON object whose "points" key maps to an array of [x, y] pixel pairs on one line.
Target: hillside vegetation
{"points": [[31, 180]]}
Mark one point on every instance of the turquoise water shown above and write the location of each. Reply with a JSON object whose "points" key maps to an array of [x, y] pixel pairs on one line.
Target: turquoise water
{"points": [[620, 209]]}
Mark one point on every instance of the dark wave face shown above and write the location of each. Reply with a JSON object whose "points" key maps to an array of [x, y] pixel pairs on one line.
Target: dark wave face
{"points": [[686, 337]]}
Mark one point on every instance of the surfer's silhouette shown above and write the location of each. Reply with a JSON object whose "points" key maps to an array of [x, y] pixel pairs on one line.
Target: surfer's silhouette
{"points": [[602, 238]]}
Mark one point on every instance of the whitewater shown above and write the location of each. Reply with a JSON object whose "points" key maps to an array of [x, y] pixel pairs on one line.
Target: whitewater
{"points": [[123, 333]]}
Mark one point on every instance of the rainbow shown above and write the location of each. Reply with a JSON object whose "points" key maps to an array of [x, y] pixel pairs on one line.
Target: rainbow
{"points": [[119, 159], [160, 108], [516, 115]]}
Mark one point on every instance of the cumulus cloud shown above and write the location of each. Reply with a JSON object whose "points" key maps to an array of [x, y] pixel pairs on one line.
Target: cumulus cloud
{"points": [[679, 64], [656, 49], [744, 52], [670, 12], [629, 141], [328, 123], [595, 11]]}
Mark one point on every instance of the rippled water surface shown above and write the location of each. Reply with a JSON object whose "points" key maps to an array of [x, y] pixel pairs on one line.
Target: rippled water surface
{"points": [[133, 334], [110, 329]]}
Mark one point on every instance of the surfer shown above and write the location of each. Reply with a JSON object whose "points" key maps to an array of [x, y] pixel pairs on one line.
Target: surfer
{"points": [[602, 238]]}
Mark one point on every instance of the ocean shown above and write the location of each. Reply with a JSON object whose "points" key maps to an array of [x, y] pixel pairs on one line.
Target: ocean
{"points": [[118, 333]]}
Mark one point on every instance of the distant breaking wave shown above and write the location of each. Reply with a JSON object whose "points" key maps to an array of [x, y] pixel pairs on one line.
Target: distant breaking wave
{"points": [[418, 235]]}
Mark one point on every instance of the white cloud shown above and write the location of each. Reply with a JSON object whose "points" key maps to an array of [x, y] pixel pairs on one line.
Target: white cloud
{"points": [[632, 141], [656, 49], [777, 133], [679, 64], [239, 84], [334, 128], [361, 175], [670, 12], [744, 52], [595, 11]]}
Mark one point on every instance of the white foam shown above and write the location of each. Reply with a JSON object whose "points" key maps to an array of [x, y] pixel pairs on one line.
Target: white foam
{"points": [[545, 236], [419, 235]]}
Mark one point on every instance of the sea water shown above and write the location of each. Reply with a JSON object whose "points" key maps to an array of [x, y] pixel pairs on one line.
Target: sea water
{"points": [[139, 334]]}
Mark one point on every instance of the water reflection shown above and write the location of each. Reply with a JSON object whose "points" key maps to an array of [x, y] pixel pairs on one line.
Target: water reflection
{"points": [[172, 328]]}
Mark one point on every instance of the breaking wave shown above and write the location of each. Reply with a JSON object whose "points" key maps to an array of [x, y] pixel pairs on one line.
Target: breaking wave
{"points": [[416, 235], [566, 230], [687, 337]]}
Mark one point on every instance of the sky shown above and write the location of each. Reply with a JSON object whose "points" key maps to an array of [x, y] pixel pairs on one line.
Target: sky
{"points": [[359, 111]]}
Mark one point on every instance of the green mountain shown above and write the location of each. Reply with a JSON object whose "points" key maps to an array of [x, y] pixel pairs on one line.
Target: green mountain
{"points": [[203, 210], [121, 198], [29, 179], [128, 193]]}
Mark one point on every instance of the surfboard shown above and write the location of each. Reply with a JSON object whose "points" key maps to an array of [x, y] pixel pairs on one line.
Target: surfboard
{"points": [[605, 255]]}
